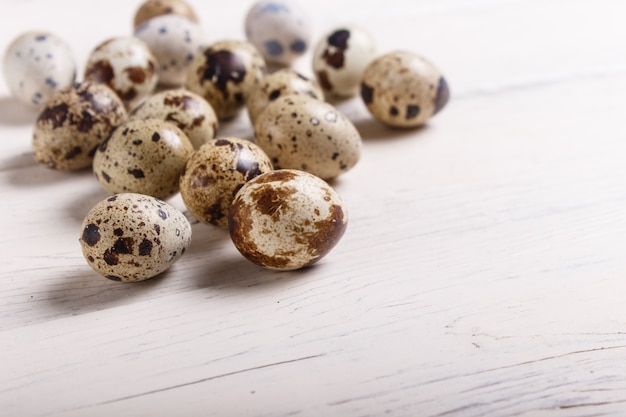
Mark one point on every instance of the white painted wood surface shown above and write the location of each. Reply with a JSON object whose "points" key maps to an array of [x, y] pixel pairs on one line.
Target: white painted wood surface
{"points": [[483, 271]]}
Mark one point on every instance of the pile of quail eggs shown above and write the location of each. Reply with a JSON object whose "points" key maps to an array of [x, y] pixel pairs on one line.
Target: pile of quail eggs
{"points": [[145, 118]]}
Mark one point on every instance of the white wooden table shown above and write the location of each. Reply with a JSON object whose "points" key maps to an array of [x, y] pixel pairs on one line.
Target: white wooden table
{"points": [[483, 272]]}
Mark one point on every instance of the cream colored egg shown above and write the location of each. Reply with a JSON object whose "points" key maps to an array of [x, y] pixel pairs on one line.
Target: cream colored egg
{"points": [[300, 132], [215, 173], [132, 237], [73, 123], [188, 111], [340, 58], [286, 219], [174, 40], [143, 156], [402, 89], [281, 83], [224, 74], [127, 66]]}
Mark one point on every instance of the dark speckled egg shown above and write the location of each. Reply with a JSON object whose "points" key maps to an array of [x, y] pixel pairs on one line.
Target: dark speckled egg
{"points": [[132, 237], [281, 83], [215, 173], [73, 123], [184, 109], [224, 73], [142, 156], [402, 89]]}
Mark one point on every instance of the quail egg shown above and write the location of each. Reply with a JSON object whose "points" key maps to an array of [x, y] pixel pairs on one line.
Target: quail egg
{"points": [[279, 84], [300, 132], [224, 74], [73, 123], [188, 111], [215, 173], [174, 40], [280, 29], [143, 156], [127, 66], [340, 58], [36, 65], [132, 237], [286, 219], [154, 8], [402, 89]]}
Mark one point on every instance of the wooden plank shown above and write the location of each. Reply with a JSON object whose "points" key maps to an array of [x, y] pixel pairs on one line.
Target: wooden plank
{"points": [[481, 273]]}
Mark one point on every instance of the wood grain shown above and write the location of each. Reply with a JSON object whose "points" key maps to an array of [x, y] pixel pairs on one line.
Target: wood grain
{"points": [[481, 274]]}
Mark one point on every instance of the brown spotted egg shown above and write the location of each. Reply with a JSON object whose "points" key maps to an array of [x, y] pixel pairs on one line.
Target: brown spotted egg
{"points": [[224, 74], [143, 156], [153, 8], [279, 84], [340, 58], [215, 173], [286, 219], [300, 132], [132, 237], [187, 110], [73, 123], [127, 66], [402, 89]]}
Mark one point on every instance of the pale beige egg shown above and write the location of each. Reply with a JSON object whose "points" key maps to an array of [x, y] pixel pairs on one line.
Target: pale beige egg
{"points": [[143, 156], [300, 132]]}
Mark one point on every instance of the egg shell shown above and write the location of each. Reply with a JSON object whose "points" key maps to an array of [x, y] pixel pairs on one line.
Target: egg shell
{"points": [[127, 66], [403, 89], [280, 29], [281, 83], [36, 65], [340, 58], [74, 122], [188, 111], [215, 173], [300, 132], [174, 40], [153, 8], [286, 219], [224, 74], [132, 237], [143, 156]]}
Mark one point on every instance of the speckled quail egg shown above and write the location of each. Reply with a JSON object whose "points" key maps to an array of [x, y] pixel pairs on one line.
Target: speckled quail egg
{"points": [[300, 132], [127, 66], [279, 84], [215, 173], [36, 65], [132, 237], [188, 111], [224, 74], [143, 156], [340, 58], [280, 29], [154, 8], [174, 41], [74, 122], [286, 219], [402, 89]]}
